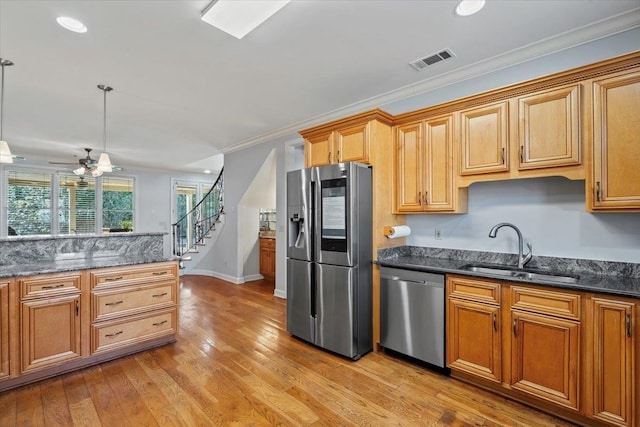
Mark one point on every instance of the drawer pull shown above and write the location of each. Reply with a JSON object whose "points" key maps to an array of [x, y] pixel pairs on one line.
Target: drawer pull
{"points": [[628, 325], [159, 273], [515, 327], [159, 295], [114, 303], [53, 286], [495, 322], [112, 279], [113, 335], [160, 323]]}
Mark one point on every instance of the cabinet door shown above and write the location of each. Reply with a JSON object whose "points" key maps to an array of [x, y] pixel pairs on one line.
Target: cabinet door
{"points": [[473, 339], [352, 144], [484, 139], [4, 329], [549, 128], [438, 164], [318, 150], [50, 331], [616, 151], [613, 367], [544, 357], [408, 174]]}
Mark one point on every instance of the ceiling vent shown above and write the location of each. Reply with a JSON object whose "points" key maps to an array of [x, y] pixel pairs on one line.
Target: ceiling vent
{"points": [[422, 63]]}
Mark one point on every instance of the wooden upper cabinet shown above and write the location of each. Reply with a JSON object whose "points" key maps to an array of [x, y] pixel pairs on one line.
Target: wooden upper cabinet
{"points": [[408, 161], [549, 128], [616, 148], [424, 177], [484, 144], [4, 329], [614, 387], [351, 139], [352, 144], [318, 150]]}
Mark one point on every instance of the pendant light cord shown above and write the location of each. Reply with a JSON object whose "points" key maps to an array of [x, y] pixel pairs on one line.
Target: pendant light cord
{"points": [[3, 63], [104, 123]]}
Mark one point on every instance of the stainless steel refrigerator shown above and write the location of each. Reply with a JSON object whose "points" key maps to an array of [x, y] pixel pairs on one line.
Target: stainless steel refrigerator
{"points": [[329, 255]]}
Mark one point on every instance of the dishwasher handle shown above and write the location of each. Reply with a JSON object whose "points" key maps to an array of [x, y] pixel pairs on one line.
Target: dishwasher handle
{"points": [[430, 283]]}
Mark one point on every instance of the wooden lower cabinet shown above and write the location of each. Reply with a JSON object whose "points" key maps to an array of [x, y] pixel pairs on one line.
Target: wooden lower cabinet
{"points": [[545, 357], [268, 258], [55, 323], [575, 354], [613, 354], [5, 370], [50, 331]]}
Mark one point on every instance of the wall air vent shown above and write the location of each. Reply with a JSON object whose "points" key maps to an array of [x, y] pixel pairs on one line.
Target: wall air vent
{"points": [[422, 63]]}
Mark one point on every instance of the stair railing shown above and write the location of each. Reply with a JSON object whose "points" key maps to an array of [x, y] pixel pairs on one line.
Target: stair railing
{"points": [[191, 230]]}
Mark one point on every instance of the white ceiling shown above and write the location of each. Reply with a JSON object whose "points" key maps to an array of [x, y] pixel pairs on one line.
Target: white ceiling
{"points": [[185, 91]]}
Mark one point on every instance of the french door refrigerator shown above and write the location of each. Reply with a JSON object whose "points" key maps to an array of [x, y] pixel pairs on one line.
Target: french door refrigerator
{"points": [[329, 256]]}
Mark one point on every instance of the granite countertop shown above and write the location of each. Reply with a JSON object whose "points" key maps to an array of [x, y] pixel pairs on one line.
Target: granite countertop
{"points": [[76, 264], [589, 279]]}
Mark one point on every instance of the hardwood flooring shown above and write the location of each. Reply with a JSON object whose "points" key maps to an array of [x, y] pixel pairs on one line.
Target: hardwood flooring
{"points": [[235, 365]]}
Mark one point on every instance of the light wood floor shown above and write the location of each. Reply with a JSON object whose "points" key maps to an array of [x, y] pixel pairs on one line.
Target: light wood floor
{"points": [[235, 365]]}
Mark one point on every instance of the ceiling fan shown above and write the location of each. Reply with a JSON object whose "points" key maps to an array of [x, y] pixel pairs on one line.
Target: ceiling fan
{"points": [[86, 164]]}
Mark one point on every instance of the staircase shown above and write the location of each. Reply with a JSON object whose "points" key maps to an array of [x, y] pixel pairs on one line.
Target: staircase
{"points": [[192, 230]]}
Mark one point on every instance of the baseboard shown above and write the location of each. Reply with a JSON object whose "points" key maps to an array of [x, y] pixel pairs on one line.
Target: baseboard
{"points": [[209, 273], [280, 293], [252, 277]]}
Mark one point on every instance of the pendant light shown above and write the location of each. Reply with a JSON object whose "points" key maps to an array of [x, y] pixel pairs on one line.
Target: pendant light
{"points": [[104, 163], [5, 153]]}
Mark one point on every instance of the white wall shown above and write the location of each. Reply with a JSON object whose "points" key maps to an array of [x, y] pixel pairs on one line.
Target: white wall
{"points": [[551, 214]]}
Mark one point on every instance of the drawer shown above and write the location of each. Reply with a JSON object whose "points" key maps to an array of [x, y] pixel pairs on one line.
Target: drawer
{"points": [[132, 330], [47, 285], [130, 300], [120, 276], [267, 243], [554, 303], [479, 290]]}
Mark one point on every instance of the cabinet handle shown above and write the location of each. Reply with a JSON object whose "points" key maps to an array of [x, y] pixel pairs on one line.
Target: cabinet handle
{"points": [[522, 154], [112, 279], [160, 323], [420, 198], [495, 322], [338, 157], [597, 191], [515, 327], [426, 193], [329, 157], [159, 295], [159, 273], [77, 308], [114, 303], [53, 286], [502, 155], [113, 335], [628, 325]]}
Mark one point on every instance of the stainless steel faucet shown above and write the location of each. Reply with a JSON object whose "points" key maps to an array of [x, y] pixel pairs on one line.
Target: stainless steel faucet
{"points": [[522, 259]]}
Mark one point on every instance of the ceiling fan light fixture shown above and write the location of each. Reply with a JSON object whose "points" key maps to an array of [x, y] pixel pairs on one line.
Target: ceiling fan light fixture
{"points": [[80, 171], [5, 153], [469, 7], [104, 163], [71, 24], [239, 18], [96, 172]]}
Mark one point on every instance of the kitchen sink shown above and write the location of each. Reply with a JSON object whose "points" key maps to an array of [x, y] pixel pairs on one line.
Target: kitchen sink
{"points": [[521, 274]]}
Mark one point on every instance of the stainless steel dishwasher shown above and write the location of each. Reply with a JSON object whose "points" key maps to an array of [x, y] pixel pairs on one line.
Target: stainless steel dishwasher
{"points": [[412, 314]]}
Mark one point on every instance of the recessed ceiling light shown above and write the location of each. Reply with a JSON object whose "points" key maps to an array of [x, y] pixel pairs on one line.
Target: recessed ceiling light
{"points": [[71, 24], [469, 7], [207, 171]]}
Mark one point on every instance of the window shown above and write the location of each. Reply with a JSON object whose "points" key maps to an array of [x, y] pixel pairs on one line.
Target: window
{"points": [[28, 203], [76, 204], [117, 204], [46, 203]]}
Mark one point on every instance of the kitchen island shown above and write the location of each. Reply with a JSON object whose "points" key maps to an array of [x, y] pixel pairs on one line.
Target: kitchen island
{"points": [[67, 302]]}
